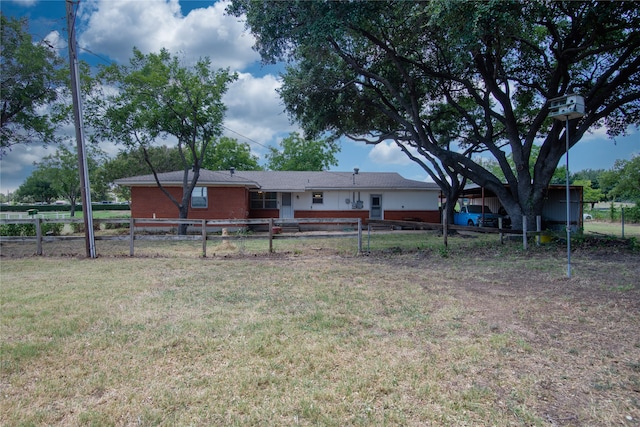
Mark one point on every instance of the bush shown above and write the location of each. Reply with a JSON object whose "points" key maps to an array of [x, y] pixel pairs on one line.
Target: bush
{"points": [[30, 229], [17, 230], [632, 214]]}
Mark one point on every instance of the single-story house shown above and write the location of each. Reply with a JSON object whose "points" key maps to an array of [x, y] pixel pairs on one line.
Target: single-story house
{"points": [[288, 195]]}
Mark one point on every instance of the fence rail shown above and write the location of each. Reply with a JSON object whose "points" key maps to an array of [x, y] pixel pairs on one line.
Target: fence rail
{"points": [[274, 230]]}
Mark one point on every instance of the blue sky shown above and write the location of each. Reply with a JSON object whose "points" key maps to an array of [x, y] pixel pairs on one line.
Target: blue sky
{"points": [[109, 29]]}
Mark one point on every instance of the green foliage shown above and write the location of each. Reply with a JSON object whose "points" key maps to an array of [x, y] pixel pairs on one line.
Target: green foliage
{"points": [[158, 97], [32, 76], [406, 71], [36, 188], [624, 180], [132, 162], [299, 154], [28, 229], [590, 195], [225, 153]]}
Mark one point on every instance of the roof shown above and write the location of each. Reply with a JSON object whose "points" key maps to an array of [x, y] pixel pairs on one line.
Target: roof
{"points": [[293, 181], [207, 177]]}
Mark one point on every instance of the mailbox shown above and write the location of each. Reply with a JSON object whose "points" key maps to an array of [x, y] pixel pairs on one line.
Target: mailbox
{"points": [[566, 107]]}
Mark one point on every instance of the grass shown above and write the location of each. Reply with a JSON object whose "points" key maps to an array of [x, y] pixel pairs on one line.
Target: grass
{"points": [[315, 336], [612, 229]]}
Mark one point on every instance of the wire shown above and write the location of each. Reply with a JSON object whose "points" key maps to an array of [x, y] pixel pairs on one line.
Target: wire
{"points": [[245, 137]]}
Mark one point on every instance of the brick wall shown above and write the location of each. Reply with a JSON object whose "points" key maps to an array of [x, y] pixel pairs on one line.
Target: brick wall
{"points": [[223, 203], [405, 215]]}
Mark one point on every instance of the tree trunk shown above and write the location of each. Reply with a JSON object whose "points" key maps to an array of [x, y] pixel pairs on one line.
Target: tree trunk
{"points": [[184, 213]]}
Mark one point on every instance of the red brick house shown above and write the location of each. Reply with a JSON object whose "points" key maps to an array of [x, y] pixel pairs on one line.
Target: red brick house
{"points": [[283, 195]]}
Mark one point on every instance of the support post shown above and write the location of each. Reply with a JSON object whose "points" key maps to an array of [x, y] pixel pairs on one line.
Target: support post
{"points": [[85, 188], [525, 243], [359, 236], [270, 235], [538, 229], [566, 131], [38, 236], [622, 219], [501, 234], [204, 238], [131, 235]]}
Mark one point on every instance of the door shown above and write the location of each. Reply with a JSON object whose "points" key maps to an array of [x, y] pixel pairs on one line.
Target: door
{"points": [[286, 210], [376, 207]]}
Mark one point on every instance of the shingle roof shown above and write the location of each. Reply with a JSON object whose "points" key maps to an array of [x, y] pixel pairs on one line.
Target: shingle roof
{"points": [[293, 181], [207, 177]]}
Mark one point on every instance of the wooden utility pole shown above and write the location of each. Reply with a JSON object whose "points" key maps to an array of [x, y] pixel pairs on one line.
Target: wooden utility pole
{"points": [[85, 188]]}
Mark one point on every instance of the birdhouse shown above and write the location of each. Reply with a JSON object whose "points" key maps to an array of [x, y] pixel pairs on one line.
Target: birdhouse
{"points": [[566, 107]]}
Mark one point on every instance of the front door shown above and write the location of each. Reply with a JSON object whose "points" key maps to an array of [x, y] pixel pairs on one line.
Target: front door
{"points": [[376, 207], [286, 210]]}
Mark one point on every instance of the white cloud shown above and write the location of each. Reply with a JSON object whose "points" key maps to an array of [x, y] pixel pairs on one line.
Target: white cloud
{"points": [[114, 27], [387, 152], [26, 3], [56, 41], [254, 110]]}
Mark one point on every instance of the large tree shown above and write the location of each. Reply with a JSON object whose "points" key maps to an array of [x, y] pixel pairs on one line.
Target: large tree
{"points": [[227, 153], [300, 154], [157, 97], [388, 70], [32, 79]]}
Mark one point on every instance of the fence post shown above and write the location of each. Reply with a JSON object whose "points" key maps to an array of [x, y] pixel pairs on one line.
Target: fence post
{"points": [[524, 233], [270, 235], [622, 219], [538, 229], [131, 235], [500, 228], [359, 236], [204, 238], [38, 236]]}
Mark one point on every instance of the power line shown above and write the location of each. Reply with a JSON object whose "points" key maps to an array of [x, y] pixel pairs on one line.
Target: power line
{"points": [[245, 137]]}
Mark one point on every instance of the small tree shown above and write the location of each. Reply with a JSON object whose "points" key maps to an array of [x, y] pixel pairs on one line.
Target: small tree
{"points": [[158, 97], [60, 171], [36, 188], [299, 154], [589, 194]]}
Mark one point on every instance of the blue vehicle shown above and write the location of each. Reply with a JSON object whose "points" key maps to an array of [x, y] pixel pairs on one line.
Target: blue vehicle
{"points": [[476, 216]]}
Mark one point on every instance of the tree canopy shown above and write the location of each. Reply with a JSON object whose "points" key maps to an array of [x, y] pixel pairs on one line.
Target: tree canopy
{"points": [[32, 78], [56, 176], [227, 153], [418, 74], [157, 97], [301, 154], [624, 180]]}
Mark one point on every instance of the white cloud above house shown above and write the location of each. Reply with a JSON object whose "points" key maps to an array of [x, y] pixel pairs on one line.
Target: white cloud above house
{"points": [[114, 27]]}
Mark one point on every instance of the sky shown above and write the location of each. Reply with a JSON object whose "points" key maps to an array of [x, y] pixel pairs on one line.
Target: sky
{"points": [[107, 31]]}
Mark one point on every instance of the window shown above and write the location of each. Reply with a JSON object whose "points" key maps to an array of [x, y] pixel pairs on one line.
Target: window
{"points": [[199, 197], [264, 200], [317, 197]]}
